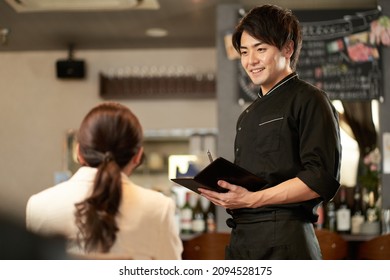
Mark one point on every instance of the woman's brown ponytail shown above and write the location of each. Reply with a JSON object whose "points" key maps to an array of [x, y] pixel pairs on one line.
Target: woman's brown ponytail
{"points": [[109, 136]]}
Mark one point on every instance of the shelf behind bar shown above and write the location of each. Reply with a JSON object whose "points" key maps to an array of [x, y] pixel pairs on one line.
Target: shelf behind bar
{"points": [[358, 237]]}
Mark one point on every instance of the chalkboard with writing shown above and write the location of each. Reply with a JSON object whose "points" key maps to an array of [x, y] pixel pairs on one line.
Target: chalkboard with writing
{"points": [[338, 55]]}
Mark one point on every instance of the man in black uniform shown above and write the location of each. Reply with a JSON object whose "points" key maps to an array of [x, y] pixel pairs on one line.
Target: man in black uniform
{"points": [[289, 135]]}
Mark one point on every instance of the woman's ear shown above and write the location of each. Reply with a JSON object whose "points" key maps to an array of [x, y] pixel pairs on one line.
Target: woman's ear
{"points": [[138, 157], [80, 159], [135, 161]]}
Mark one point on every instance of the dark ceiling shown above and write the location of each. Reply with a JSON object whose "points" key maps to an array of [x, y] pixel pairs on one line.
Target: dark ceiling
{"points": [[190, 23]]}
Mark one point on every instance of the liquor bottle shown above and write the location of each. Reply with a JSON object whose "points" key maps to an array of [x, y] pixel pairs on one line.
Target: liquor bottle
{"points": [[198, 218], [372, 212], [186, 216], [331, 216], [211, 222], [357, 218], [343, 213]]}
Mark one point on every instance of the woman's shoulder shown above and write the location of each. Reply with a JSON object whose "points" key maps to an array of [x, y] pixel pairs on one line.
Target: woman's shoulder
{"points": [[151, 194], [134, 189], [60, 196], [80, 181], [51, 192], [145, 203]]}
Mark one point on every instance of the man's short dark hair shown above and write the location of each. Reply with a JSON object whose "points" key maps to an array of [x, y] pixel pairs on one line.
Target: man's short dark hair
{"points": [[272, 25]]}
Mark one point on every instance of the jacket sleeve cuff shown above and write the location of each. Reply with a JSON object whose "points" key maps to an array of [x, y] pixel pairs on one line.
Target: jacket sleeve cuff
{"points": [[321, 182]]}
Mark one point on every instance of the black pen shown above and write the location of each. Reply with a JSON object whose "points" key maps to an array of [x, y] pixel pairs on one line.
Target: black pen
{"points": [[209, 155]]}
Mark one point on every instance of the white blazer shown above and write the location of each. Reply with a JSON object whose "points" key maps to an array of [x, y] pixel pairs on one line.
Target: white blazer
{"points": [[147, 229]]}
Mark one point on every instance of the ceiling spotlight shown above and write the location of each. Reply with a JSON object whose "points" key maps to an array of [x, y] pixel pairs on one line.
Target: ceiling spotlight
{"points": [[156, 32]]}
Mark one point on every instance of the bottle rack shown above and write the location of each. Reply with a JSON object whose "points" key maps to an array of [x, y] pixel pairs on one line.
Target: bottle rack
{"points": [[143, 87]]}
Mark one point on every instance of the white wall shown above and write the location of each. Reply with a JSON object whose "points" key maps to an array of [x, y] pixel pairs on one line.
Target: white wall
{"points": [[36, 110]]}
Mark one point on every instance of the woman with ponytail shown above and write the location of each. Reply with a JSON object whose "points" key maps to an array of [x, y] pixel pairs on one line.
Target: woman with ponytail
{"points": [[99, 209]]}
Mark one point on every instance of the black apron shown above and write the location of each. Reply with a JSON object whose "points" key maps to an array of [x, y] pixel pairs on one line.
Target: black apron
{"points": [[282, 234]]}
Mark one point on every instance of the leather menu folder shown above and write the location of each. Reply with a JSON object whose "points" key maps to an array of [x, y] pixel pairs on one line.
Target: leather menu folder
{"points": [[221, 169]]}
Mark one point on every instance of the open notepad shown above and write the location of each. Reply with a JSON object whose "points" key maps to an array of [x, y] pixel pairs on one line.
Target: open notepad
{"points": [[221, 169]]}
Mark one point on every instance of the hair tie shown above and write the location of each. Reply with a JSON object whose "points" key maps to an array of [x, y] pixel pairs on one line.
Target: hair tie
{"points": [[108, 156]]}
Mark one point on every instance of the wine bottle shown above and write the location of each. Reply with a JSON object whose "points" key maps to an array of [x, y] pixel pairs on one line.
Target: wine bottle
{"points": [[198, 220], [331, 216], [186, 216], [357, 218], [343, 213], [372, 212], [211, 222]]}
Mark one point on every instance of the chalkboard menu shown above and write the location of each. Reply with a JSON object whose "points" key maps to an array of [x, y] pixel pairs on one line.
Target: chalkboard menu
{"points": [[338, 55]]}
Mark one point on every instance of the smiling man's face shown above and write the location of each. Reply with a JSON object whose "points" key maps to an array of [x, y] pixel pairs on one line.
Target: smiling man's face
{"points": [[265, 64]]}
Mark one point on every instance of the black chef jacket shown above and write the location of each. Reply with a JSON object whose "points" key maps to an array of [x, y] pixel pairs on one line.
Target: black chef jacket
{"points": [[293, 131]]}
